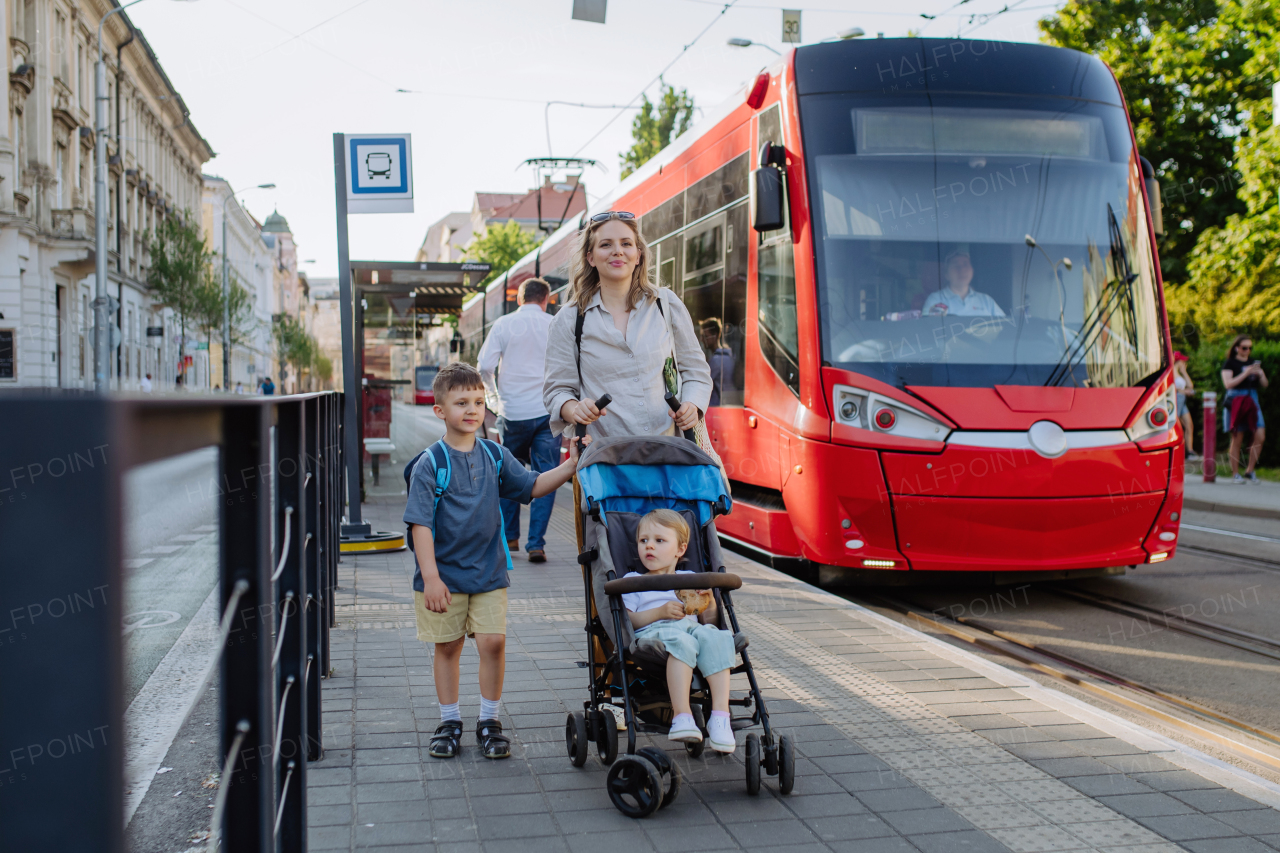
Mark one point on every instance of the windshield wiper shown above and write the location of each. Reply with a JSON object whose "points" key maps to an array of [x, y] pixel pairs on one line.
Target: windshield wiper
{"points": [[1116, 295]]}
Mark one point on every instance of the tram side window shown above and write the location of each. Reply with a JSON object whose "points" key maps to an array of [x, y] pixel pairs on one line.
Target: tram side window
{"points": [[666, 258], [715, 294], [776, 282]]}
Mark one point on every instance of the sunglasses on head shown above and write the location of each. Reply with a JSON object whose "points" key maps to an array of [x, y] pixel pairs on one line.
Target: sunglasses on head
{"points": [[613, 214]]}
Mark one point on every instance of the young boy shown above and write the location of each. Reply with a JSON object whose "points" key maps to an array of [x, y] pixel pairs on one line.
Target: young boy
{"points": [[460, 586]]}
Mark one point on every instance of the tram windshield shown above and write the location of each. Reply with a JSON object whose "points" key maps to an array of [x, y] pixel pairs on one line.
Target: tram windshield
{"points": [[969, 245]]}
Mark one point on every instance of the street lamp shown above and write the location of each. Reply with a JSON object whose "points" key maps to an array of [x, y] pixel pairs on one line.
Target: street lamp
{"points": [[737, 42], [226, 288], [101, 302], [1062, 293]]}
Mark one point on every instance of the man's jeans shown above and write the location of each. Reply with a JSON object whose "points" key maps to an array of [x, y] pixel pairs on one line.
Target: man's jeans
{"points": [[532, 441]]}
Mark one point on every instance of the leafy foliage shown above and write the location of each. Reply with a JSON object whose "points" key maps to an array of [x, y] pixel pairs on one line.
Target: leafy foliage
{"points": [[1191, 80], [179, 268], [501, 246], [1197, 76], [653, 130], [298, 348]]}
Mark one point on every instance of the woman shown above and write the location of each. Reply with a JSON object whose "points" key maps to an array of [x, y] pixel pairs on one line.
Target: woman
{"points": [[1184, 386], [630, 327], [1241, 409]]}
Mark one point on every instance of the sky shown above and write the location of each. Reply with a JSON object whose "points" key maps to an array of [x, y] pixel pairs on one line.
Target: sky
{"points": [[268, 83]]}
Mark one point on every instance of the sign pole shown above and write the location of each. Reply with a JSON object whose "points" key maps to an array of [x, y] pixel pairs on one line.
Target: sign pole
{"points": [[350, 379]]}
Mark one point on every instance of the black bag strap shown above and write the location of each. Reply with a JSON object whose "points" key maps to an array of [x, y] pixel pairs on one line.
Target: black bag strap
{"points": [[577, 346]]}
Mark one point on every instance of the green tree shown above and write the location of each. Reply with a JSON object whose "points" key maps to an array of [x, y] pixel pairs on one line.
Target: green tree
{"points": [[298, 348], [501, 246], [1191, 80], [653, 129], [179, 261]]}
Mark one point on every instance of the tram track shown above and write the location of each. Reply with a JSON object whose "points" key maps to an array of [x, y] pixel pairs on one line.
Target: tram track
{"points": [[1174, 620], [1226, 732]]}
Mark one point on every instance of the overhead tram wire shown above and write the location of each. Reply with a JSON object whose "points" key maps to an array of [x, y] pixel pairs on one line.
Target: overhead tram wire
{"points": [[683, 51], [546, 115]]}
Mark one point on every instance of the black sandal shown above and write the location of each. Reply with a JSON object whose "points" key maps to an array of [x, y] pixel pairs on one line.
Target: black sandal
{"points": [[447, 740], [493, 743]]}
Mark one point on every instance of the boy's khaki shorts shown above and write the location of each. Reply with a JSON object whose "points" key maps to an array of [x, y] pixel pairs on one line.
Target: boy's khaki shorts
{"points": [[478, 613]]}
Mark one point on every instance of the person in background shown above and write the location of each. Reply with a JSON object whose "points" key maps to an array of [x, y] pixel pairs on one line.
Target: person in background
{"points": [[1242, 375], [268, 387], [516, 350], [239, 387], [1184, 386], [146, 384], [719, 359]]}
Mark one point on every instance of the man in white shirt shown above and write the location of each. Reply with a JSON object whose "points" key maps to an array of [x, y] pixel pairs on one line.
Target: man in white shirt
{"points": [[517, 348], [958, 298], [146, 384]]}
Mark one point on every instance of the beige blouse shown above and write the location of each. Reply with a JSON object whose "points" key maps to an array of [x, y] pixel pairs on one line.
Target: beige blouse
{"points": [[628, 368]]}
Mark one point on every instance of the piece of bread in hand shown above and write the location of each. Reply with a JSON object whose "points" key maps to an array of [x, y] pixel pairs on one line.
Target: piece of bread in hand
{"points": [[694, 600]]}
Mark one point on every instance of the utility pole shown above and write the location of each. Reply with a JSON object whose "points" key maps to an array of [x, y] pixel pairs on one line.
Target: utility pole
{"points": [[226, 303]]}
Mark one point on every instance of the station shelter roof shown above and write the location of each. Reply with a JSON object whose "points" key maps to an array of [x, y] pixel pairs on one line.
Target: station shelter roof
{"points": [[433, 287]]}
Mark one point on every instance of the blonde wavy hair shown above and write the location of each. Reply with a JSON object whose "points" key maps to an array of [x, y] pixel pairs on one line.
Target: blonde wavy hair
{"points": [[586, 278]]}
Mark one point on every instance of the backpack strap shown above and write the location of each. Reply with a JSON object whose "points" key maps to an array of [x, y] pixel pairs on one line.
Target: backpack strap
{"points": [[439, 456], [494, 451]]}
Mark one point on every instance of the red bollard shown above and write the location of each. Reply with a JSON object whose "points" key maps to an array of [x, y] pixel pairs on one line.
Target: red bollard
{"points": [[1210, 400]]}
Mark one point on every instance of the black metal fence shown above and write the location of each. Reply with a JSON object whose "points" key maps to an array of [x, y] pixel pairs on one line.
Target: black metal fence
{"points": [[62, 662]]}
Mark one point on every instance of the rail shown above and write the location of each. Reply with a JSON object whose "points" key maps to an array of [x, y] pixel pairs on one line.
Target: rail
{"points": [[62, 667]]}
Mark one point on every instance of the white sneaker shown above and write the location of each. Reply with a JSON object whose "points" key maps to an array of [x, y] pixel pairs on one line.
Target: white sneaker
{"points": [[1237, 480], [720, 735], [684, 730]]}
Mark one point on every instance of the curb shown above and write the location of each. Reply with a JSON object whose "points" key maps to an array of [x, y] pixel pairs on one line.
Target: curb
{"points": [[1230, 509]]}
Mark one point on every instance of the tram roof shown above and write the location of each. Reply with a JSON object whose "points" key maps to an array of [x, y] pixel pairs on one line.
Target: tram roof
{"points": [[436, 288]]}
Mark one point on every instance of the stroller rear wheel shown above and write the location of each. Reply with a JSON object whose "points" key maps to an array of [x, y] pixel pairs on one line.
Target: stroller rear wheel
{"points": [[605, 726], [635, 786], [752, 759], [786, 764], [575, 738], [667, 768]]}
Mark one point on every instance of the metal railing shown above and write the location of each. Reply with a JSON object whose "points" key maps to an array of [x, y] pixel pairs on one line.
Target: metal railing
{"points": [[62, 667]]}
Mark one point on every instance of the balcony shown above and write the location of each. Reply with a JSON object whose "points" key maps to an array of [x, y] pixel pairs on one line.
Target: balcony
{"points": [[73, 224]]}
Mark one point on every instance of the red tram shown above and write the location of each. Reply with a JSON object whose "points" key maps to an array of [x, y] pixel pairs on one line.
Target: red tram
{"points": [[950, 352]]}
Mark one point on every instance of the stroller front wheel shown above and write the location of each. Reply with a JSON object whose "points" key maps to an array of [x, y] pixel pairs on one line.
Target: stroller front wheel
{"points": [[752, 759], [635, 786], [575, 738]]}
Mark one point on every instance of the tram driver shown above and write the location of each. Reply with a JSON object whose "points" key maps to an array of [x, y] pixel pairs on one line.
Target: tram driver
{"points": [[958, 298]]}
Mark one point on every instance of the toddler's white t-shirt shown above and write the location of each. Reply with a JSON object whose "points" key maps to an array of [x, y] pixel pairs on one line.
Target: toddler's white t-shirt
{"points": [[638, 602]]}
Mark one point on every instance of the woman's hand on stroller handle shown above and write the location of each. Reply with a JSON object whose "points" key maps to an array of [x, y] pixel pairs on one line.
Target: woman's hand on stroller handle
{"points": [[684, 414], [580, 413]]}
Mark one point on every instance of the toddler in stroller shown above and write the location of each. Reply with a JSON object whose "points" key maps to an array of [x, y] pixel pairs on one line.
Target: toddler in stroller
{"points": [[690, 637], [621, 480]]}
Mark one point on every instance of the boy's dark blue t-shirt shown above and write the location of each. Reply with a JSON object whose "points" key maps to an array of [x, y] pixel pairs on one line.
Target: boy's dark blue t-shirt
{"points": [[466, 525]]}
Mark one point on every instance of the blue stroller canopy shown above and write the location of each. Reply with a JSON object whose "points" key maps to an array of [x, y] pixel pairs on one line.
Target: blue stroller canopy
{"points": [[638, 474]]}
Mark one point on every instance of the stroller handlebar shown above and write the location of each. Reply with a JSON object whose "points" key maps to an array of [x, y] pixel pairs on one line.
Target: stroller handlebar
{"points": [[684, 580], [580, 430], [674, 402]]}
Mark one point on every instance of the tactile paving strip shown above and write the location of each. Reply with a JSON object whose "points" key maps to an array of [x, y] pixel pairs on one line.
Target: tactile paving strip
{"points": [[1019, 805]]}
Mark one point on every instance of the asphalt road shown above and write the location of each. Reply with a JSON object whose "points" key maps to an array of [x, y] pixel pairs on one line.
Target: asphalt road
{"points": [[1207, 585], [170, 556]]}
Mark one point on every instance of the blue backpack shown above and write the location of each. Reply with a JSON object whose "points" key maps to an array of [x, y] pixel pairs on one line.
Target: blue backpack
{"points": [[444, 473]]}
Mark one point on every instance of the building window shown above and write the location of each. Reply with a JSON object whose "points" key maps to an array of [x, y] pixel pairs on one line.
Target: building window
{"points": [[59, 163], [80, 81], [60, 46], [8, 353]]}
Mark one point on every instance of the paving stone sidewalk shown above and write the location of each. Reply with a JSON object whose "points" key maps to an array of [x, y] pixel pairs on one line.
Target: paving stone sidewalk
{"points": [[903, 743]]}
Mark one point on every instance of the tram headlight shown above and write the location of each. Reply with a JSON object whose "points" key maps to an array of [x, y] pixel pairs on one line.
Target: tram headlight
{"points": [[1158, 417], [864, 409]]}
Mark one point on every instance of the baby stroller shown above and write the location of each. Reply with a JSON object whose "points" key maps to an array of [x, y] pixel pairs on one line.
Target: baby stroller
{"points": [[619, 480]]}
